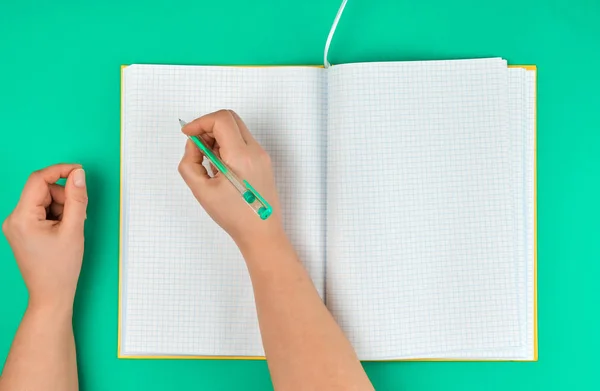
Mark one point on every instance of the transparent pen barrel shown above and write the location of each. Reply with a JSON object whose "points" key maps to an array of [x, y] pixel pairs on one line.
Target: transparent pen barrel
{"points": [[249, 195]]}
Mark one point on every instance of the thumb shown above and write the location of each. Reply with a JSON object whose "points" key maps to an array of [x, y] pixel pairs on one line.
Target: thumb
{"points": [[76, 200]]}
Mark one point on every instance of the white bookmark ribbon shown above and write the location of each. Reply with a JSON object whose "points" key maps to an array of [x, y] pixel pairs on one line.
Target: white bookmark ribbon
{"points": [[332, 31]]}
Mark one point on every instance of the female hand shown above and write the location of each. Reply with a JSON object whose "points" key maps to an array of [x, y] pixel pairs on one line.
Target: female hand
{"points": [[45, 232], [230, 138]]}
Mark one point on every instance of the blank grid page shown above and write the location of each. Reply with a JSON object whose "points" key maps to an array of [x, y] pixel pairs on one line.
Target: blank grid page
{"points": [[521, 117], [421, 256], [530, 156], [186, 290]]}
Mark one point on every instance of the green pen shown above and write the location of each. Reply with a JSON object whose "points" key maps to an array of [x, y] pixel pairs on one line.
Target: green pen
{"points": [[249, 194]]}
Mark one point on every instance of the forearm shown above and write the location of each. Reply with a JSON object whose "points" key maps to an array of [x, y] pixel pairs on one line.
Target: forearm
{"points": [[305, 347], [42, 356]]}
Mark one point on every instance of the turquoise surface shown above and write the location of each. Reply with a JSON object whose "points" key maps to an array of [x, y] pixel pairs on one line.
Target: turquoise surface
{"points": [[59, 101]]}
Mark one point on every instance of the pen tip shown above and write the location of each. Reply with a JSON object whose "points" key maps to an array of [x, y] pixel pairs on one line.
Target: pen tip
{"points": [[181, 122]]}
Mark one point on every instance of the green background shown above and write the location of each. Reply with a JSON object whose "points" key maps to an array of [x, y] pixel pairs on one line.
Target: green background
{"points": [[59, 101]]}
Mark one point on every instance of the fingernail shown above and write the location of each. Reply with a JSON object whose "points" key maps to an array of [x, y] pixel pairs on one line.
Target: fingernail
{"points": [[79, 178]]}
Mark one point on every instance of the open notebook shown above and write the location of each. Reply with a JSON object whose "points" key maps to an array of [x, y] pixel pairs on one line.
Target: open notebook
{"points": [[407, 188]]}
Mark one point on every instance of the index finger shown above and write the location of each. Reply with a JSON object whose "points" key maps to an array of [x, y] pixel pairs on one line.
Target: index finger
{"points": [[221, 125], [37, 186]]}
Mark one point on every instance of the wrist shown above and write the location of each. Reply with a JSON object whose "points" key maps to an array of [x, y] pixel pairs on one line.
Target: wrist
{"points": [[262, 245], [54, 308]]}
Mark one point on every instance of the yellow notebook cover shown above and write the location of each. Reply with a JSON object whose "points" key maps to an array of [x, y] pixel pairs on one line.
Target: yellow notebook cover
{"points": [[192, 357]]}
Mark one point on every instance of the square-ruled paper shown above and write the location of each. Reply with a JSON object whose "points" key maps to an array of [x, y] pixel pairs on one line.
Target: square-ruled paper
{"points": [[186, 290], [522, 119], [421, 251], [198, 300], [530, 153], [522, 130], [517, 107]]}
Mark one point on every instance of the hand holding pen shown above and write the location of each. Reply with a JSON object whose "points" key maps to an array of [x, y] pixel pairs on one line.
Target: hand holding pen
{"points": [[245, 177]]}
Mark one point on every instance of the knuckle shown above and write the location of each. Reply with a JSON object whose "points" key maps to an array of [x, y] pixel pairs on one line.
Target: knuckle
{"points": [[222, 113], [264, 157], [12, 224], [35, 175], [5, 225], [81, 198]]}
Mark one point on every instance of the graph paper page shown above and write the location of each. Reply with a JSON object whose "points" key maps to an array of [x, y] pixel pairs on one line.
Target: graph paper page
{"points": [[530, 158], [421, 253], [521, 84], [185, 288]]}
